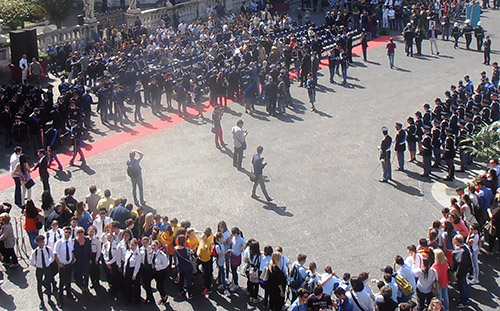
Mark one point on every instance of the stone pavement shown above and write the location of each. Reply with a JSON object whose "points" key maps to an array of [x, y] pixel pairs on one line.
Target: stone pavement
{"points": [[322, 174]]}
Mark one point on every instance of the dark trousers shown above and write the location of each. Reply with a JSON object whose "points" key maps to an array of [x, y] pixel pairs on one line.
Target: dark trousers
{"points": [[487, 56], [364, 54], [77, 149], [423, 299], [468, 40], [187, 276], [43, 279], [147, 277], [451, 167], [113, 277], [253, 289], [17, 192], [207, 268], [237, 157], [271, 105], [427, 165], [132, 287], [259, 180], [479, 43], [82, 274], [137, 183], [463, 287], [409, 48], [137, 112], [437, 156], [276, 302], [418, 44], [159, 277], [94, 272], [9, 255], [463, 160], [401, 159], [45, 183], [65, 280]]}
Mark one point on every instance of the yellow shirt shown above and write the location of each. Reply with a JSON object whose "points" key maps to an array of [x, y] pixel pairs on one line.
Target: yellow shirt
{"points": [[175, 229], [193, 243], [167, 240], [205, 249], [106, 203]]}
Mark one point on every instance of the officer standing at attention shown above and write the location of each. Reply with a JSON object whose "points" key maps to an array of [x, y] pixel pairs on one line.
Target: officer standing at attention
{"points": [[468, 34], [436, 143], [487, 50], [449, 153], [427, 151], [385, 155], [456, 33], [479, 34], [462, 135], [400, 146]]}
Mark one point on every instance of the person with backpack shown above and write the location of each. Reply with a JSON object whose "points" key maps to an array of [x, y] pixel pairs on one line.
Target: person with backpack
{"points": [[253, 258], [405, 279], [462, 265], [134, 171], [297, 275]]}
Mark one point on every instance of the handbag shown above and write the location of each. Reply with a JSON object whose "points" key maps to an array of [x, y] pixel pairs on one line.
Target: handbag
{"points": [[490, 228], [436, 288], [29, 184], [452, 276], [264, 276]]}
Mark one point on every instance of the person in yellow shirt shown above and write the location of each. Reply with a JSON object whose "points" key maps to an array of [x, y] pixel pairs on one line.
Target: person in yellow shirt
{"points": [[192, 240], [205, 258], [106, 202], [175, 225], [166, 238]]}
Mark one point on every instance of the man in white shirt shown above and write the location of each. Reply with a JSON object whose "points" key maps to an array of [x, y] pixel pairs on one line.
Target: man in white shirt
{"points": [[63, 251], [14, 159], [112, 260], [100, 222], [405, 271], [23, 64], [41, 258], [329, 281], [239, 136]]}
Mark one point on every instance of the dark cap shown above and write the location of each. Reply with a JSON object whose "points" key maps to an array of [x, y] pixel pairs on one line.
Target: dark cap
{"points": [[462, 121], [449, 129], [399, 124], [427, 127]]}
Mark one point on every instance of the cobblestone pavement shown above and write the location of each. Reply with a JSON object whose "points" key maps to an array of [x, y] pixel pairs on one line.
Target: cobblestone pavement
{"points": [[322, 174]]}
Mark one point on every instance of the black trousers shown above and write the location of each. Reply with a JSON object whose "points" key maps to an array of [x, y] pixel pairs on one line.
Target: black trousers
{"points": [[451, 167], [208, 270], [131, 287], [43, 279], [237, 157], [147, 277], [159, 277], [65, 280]]}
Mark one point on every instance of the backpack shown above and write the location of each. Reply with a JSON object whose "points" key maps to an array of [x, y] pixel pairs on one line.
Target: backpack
{"points": [[294, 279], [253, 271], [404, 285], [213, 251], [310, 282], [133, 170]]}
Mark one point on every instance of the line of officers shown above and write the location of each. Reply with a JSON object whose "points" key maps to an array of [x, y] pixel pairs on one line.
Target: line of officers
{"points": [[441, 133]]}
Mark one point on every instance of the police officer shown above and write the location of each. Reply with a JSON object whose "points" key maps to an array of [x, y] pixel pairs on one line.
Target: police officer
{"points": [[449, 153], [385, 155], [408, 35], [456, 33], [487, 50], [400, 146], [462, 135], [479, 34], [468, 34], [427, 151], [75, 134], [436, 143]]}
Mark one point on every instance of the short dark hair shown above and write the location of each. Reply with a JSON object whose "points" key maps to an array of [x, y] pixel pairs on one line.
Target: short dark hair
{"points": [[318, 290], [399, 260], [302, 292], [260, 149], [339, 291]]}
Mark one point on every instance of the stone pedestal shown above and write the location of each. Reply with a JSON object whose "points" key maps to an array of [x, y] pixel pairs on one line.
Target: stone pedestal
{"points": [[131, 16], [89, 28], [4, 54]]}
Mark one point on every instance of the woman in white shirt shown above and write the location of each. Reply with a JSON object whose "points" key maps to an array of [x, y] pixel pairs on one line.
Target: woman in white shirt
{"points": [[95, 256], [426, 276], [131, 268], [361, 300], [159, 263]]}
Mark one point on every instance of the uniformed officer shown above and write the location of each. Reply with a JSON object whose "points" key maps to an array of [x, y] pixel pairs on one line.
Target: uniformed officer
{"points": [[479, 34], [436, 143], [449, 153], [385, 155], [462, 135], [456, 33], [400, 145], [75, 134], [427, 151], [468, 33]]}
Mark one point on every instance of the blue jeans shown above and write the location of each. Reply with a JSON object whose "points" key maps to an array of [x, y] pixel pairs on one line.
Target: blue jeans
{"points": [[475, 264], [185, 274], [221, 277], [32, 236], [17, 192], [443, 296], [391, 60], [464, 288], [137, 183]]}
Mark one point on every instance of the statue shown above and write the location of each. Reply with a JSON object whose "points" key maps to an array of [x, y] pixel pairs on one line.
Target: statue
{"points": [[88, 9], [132, 5]]}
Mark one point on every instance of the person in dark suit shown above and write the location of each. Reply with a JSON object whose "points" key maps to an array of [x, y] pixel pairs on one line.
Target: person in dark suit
{"points": [[400, 146], [487, 50], [258, 168], [75, 134], [449, 153], [385, 155], [42, 166], [427, 151], [462, 265], [364, 45]]}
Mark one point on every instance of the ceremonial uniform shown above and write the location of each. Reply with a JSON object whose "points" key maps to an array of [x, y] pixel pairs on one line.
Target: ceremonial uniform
{"points": [[400, 148], [385, 157], [449, 154], [427, 152]]}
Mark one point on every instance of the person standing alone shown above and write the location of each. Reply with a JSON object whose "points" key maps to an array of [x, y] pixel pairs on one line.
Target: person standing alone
{"points": [[134, 171], [258, 169], [385, 155], [391, 49], [239, 137]]}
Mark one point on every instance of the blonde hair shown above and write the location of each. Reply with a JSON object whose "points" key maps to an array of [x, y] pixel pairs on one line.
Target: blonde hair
{"points": [[149, 221], [440, 257], [5, 217], [275, 261], [435, 305]]}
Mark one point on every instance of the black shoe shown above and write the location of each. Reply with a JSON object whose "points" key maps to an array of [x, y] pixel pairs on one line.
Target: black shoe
{"points": [[254, 196], [269, 199], [41, 306]]}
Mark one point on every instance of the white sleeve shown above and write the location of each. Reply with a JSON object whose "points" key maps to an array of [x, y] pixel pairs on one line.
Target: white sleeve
{"points": [[33, 258]]}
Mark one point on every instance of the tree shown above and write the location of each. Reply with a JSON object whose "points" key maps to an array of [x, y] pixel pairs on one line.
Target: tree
{"points": [[486, 143], [15, 12], [57, 10]]}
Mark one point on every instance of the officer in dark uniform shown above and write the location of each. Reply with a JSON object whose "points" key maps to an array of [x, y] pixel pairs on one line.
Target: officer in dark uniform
{"points": [[411, 138], [487, 50], [427, 151], [462, 135], [453, 123], [436, 143], [449, 153], [385, 155], [20, 132], [400, 146], [408, 35], [427, 118], [75, 134], [468, 33], [456, 33], [35, 125], [479, 34], [485, 112]]}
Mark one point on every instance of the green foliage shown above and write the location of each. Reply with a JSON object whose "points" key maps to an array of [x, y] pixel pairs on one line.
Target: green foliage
{"points": [[57, 10], [15, 12], [486, 143]]}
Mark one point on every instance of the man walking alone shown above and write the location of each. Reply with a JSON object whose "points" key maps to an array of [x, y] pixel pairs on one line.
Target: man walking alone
{"points": [[134, 171], [258, 168]]}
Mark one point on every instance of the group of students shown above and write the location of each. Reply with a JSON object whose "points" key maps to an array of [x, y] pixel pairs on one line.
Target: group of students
{"points": [[132, 253]]}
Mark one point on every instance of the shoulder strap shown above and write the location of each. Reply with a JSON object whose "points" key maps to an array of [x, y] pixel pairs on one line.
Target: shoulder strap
{"points": [[356, 301]]}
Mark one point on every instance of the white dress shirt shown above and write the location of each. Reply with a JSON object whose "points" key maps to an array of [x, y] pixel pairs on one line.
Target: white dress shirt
{"points": [[96, 247], [36, 257], [23, 63], [51, 237], [14, 159], [159, 260], [115, 253], [149, 251], [60, 251], [99, 223], [133, 260]]}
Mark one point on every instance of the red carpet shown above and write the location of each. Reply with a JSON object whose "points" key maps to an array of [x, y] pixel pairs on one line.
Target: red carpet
{"points": [[140, 131]]}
